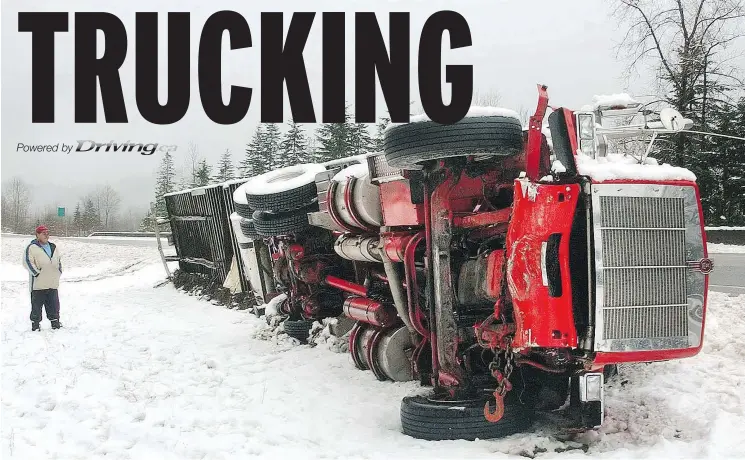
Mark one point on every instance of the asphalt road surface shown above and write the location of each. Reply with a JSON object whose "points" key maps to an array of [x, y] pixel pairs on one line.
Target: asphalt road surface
{"points": [[729, 273]]}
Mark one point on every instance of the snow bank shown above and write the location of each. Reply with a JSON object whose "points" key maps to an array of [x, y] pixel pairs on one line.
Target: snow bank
{"points": [[616, 166], [82, 260], [724, 228], [139, 372]]}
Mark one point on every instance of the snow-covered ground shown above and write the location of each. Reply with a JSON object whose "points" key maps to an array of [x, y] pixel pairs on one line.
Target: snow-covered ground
{"points": [[140, 372]]}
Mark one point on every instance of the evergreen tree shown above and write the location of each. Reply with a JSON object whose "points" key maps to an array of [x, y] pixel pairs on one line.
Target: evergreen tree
{"points": [[314, 154], [204, 174], [77, 220], [294, 146], [225, 167], [270, 148], [148, 222], [359, 140], [253, 164], [725, 161], [334, 139], [90, 216], [164, 184], [380, 134]]}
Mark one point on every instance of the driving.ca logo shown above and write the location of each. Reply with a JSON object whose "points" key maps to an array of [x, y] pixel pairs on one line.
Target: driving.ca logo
{"points": [[143, 148], [140, 147]]}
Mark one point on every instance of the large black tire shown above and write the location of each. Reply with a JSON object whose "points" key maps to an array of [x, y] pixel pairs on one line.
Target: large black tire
{"points": [[298, 329], [409, 145], [300, 188], [423, 418], [283, 223], [248, 228], [243, 210]]}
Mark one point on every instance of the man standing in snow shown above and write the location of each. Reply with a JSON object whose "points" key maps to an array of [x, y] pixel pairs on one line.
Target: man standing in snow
{"points": [[44, 264]]}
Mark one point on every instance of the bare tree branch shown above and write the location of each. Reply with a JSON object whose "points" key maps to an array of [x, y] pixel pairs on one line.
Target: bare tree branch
{"points": [[17, 197], [653, 34]]}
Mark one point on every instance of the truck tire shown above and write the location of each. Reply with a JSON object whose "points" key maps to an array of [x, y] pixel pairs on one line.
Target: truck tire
{"points": [[409, 145], [241, 203], [283, 223], [284, 189], [424, 418], [298, 329], [248, 228], [243, 210]]}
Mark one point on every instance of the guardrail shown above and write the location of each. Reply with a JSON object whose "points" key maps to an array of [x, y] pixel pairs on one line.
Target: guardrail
{"points": [[130, 234], [725, 235], [134, 235]]}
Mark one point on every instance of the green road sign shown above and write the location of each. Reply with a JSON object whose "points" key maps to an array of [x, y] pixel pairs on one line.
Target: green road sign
{"points": [[61, 212]]}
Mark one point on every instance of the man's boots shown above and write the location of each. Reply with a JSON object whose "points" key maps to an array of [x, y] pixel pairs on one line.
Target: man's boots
{"points": [[56, 324], [35, 327]]}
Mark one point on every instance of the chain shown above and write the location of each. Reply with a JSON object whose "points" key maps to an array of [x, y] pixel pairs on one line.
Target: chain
{"points": [[503, 383], [509, 363]]}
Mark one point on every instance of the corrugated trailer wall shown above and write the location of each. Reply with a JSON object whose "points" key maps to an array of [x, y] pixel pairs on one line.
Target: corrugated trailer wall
{"points": [[201, 231]]}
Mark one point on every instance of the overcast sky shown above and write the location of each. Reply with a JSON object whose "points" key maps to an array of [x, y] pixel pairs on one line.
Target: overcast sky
{"points": [[569, 46]]}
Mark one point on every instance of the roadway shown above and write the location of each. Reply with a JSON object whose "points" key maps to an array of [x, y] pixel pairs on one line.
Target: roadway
{"points": [[729, 273]]}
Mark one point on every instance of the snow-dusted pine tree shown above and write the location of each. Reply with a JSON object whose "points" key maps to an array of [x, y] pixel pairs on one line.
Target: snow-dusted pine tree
{"points": [[90, 216], [204, 173], [77, 220], [270, 148], [360, 141], [380, 132], [294, 145], [724, 160], [164, 183], [334, 139], [225, 167], [253, 164]]}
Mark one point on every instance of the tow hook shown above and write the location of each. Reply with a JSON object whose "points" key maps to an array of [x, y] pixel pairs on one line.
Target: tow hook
{"points": [[498, 410], [503, 387]]}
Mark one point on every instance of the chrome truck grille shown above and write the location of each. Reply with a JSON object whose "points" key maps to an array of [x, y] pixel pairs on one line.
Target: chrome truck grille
{"points": [[647, 298]]}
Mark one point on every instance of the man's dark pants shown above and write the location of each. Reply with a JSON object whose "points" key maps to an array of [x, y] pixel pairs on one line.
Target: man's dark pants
{"points": [[49, 299]]}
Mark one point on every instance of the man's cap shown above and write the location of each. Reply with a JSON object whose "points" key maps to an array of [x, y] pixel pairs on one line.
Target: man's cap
{"points": [[41, 229]]}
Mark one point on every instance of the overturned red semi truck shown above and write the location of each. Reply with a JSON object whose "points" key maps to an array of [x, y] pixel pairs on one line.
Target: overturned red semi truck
{"points": [[510, 269]]}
